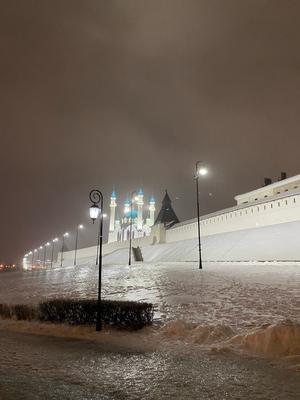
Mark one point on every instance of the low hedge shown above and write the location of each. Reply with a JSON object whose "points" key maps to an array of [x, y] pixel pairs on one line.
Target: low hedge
{"points": [[120, 314], [18, 311], [5, 311]]}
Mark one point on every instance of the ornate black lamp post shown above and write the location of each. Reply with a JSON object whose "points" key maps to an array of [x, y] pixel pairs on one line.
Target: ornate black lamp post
{"points": [[76, 242], [62, 248], [200, 171], [52, 253], [130, 228], [96, 210]]}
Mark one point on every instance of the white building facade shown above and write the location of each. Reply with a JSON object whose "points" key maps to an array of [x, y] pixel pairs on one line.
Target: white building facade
{"points": [[135, 215]]}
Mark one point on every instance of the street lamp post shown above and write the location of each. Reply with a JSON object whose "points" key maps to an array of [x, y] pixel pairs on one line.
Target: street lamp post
{"points": [[98, 242], [76, 242], [62, 248], [52, 253], [96, 198], [45, 251], [39, 255], [31, 252], [130, 229], [34, 252], [200, 171]]}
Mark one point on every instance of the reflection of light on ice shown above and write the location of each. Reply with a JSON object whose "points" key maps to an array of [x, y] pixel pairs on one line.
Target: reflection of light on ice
{"points": [[237, 295], [25, 264]]}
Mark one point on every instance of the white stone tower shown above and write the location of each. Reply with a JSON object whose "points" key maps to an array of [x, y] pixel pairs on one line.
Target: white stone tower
{"points": [[150, 220], [140, 204], [113, 205]]}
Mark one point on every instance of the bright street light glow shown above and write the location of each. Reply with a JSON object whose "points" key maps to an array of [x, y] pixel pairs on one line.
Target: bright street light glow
{"points": [[35, 250], [80, 226], [202, 171], [41, 247], [55, 240], [66, 234], [94, 212], [47, 244]]}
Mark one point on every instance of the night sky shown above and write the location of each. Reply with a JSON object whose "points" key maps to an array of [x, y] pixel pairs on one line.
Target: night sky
{"points": [[131, 93]]}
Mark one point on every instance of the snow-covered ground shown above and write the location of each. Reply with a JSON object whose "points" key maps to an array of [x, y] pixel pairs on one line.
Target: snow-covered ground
{"points": [[237, 295], [207, 324]]}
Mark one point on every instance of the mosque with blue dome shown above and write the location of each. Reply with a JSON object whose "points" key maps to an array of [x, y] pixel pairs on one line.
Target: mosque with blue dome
{"points": [[120, 219]]}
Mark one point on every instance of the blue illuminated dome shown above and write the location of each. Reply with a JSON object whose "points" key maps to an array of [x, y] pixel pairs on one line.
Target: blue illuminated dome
{"points": [[128, 213]]}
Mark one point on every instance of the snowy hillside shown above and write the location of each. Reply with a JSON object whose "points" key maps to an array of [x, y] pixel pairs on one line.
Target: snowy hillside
{"points": [[277, 242]]}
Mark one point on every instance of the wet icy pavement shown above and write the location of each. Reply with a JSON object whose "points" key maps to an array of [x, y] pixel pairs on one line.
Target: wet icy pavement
{"points": [[42, 367], [240, 296]]}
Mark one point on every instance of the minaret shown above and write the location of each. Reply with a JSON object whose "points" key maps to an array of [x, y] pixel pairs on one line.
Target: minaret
{"points": [[127, 209], [140, 203], [151, 210], [113, 205]]}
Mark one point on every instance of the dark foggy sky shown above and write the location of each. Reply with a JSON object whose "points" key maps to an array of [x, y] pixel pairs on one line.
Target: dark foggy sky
{"points": [[130, 92]]}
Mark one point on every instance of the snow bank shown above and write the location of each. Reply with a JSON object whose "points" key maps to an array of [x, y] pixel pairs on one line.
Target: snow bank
{"points": [[177, 329], [281, 339], [277, 340], [200, 334], [206, 334]]}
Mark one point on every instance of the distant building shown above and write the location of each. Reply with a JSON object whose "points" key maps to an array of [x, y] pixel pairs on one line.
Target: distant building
{"points": [[270, 189], [120, 219]]}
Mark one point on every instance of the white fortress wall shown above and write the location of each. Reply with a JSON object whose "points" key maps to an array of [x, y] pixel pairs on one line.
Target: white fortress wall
{"points": [[106, 249], [277, 210]]}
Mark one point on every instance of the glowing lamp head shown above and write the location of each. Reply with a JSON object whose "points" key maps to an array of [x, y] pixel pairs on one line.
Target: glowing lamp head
{"points": [[55, 240], [202, 171], [80, 226], [66, 234], [94, 212], [47, 244]]}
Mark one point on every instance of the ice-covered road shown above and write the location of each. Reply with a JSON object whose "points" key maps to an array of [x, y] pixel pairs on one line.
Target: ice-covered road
{"points": [[43, 367], [241, 296], [49, 362]]}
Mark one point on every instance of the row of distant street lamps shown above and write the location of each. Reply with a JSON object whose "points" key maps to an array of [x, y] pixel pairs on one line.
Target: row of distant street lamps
{"points": [[53, 242], [96, 211]]}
